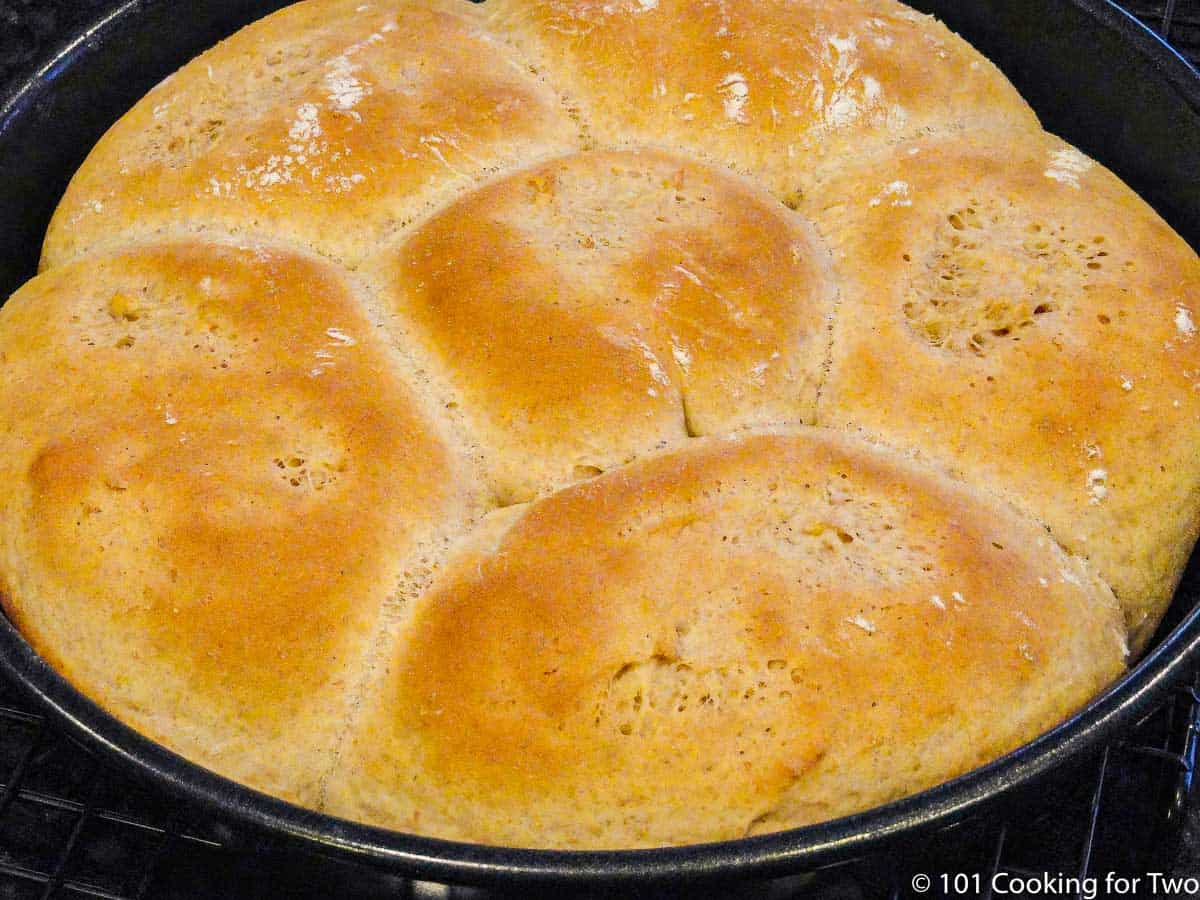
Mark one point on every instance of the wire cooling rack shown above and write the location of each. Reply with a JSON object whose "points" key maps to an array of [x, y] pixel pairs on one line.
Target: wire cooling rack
{"points": [[1176, 20], [70, 827]]}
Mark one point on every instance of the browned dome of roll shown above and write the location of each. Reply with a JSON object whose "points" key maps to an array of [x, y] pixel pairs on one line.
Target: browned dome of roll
{"points": [[331, 123], [213, 481], [746, 635], [603, 304], [1017, 313]]}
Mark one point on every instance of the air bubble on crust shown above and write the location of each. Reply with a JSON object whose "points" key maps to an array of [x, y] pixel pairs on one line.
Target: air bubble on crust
{"points": [[644, 695], [993, 273], [297, 470]]}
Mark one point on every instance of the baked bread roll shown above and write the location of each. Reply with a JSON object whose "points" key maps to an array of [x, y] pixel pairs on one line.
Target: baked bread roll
{"points": [[1030, 329], [603, 304], [756, 632], [570, 424], [778, 89], [326, 124], [219, 480]]}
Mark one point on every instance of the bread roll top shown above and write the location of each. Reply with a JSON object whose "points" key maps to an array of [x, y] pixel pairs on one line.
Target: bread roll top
{"points": [[331, 124], [1018, 314], [605, 304], [749, 634], [775, 88], [215, 479]]}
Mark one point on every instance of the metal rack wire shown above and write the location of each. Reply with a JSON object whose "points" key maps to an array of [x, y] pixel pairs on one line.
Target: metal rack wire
{"points": [[1176, 20], [70, 827]]}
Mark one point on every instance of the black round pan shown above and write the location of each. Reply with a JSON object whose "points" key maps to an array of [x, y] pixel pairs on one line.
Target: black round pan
{"points": [[1094, 75]]}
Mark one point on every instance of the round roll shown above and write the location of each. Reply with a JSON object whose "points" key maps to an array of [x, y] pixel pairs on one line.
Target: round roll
{"points": [[754, 633], [217, 486], [1019, 315], [776, 88], [331, 124], [604, 304]]}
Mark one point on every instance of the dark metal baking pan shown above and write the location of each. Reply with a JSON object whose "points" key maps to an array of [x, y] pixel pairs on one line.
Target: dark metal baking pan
{"points": [[1094, 75]]}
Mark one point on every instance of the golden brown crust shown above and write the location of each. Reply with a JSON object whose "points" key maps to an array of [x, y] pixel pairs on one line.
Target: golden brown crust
{"points": [[331, 123], [746, 635], [603, 304], [231, 471], [1019, 315], [772, 87], [214, 478]]}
